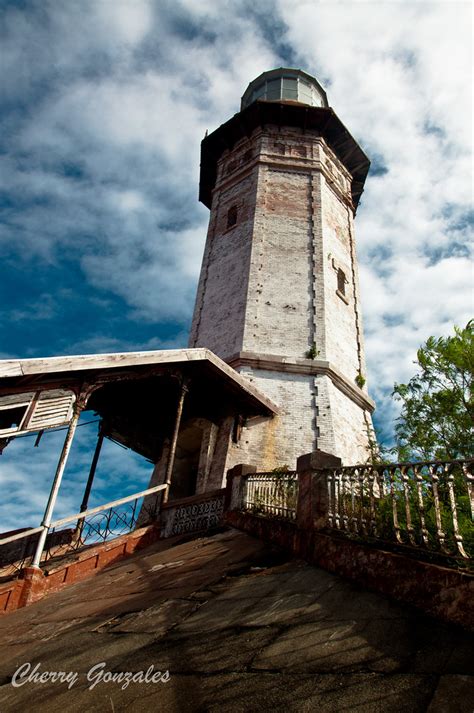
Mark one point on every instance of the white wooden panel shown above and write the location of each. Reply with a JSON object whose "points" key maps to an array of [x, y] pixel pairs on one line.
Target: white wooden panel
{"points": [[52, 408], [16, 399]]}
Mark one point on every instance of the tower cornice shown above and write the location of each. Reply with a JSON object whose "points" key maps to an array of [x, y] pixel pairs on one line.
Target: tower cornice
{"points": [[323, 121], [294, 165], [308, 367]]}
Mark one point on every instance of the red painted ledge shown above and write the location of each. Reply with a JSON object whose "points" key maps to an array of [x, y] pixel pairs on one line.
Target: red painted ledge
{"points": [[34, 583]]}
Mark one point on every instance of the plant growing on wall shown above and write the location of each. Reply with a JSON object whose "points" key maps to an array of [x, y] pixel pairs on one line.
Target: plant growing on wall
{"points": [[312, 352], [405, 494], [275, 493]]}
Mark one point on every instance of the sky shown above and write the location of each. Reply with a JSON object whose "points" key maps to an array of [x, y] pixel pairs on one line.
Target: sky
{"points": [[104, 104]]}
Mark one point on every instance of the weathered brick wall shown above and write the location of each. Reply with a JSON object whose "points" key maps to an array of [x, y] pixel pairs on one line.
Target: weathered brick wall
{"points": [[279, 310], [341, 326], [269, 286], [219, 313], [268, 444], [313, 411], [350, 424], [326, 439]]}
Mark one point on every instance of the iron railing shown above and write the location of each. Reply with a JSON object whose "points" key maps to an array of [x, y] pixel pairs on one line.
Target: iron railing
{"points": [[272, 494], [428, 505], [91, 527]]}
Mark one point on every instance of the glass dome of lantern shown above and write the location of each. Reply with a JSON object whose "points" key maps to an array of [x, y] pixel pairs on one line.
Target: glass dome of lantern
{"points": [[288, 85]]}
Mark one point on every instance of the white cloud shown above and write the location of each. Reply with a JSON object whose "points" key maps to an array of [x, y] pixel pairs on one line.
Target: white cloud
{"points": [[398, 76], [110, 101], [126, 21]]}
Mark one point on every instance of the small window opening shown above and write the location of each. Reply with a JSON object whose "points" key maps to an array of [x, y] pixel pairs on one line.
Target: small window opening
{"points": [[273, 89], [290, 88], [247, 156], [232, 165], [232, 216], [237, 429], [12, 417], [279, 148], [341, 281]]}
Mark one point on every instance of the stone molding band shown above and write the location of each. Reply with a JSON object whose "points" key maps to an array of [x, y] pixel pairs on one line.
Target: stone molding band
{"points": [[309, 367]]}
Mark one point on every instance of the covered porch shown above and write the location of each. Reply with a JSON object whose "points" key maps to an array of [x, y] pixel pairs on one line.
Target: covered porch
{"points": [[177, 408]]}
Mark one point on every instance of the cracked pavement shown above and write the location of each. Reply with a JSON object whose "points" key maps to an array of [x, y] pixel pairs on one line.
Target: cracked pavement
{"points": [[240, 626]]}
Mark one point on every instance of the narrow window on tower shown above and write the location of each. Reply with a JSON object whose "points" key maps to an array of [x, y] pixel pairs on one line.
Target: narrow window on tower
{"points": [[341, 282], [341, 285], [232, 216]]}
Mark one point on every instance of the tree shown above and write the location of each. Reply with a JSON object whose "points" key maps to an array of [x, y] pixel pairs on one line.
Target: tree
{"points": [[437, 403]]}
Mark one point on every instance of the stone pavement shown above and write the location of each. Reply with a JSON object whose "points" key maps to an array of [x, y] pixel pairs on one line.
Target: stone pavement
{"points": [[239, 627]]}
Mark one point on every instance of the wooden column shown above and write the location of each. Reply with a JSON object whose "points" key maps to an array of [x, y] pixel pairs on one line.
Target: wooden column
{"points": [[90, 479], [174, 440], [46, 522]]}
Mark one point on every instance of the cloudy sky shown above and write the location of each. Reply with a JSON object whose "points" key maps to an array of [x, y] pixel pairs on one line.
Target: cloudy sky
{"points": [[104, 105]]}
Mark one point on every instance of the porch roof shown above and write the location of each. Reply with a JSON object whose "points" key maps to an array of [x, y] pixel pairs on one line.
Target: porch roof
{"points": [[136, 393]]}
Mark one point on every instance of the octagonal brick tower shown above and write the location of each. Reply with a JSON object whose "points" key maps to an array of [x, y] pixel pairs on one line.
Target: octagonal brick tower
{"points": [[278, 296]]}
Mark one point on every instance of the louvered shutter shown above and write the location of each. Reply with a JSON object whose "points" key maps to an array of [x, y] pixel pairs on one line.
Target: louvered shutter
{"points": [[52, 409]]}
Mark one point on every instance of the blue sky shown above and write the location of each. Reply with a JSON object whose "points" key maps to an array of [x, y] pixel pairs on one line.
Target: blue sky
{"points": [[104, 105]]}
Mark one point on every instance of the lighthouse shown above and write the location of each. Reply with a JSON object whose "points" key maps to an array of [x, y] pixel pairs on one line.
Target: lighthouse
{"points": [[278, 296]]}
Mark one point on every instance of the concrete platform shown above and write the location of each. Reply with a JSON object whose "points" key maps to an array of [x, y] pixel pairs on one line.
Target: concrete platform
{"points": [[239, 627]]}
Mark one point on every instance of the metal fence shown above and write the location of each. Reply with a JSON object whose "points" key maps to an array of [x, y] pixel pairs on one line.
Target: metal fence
{"points": [[272, 494], [427, 505], [91, 527]]}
